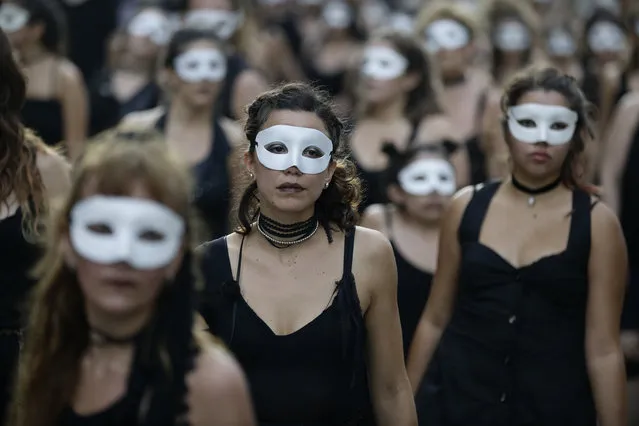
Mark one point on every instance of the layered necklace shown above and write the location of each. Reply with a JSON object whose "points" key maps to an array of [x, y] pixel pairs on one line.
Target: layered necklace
{"points": [[281, 235], [533, 192]]}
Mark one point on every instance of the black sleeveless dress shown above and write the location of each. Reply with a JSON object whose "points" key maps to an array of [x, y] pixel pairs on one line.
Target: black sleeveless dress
{"points": [[17, 257], [315, 376], [212, 183], [513, 353]]}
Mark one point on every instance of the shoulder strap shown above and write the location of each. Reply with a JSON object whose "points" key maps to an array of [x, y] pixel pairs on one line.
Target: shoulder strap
{"points": [[388, 221], [580, 224], [349, 244], [475, 212], [413, 132]]}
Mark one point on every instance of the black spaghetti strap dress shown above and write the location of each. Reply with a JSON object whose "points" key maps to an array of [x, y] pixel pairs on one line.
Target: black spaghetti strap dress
{"points": [[315, 376], [513, 353]]}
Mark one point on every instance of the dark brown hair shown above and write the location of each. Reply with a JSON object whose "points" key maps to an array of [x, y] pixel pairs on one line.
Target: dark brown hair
{"points": [[19, 174], [50, 14], [552, 80], [435, 11], [337, 205]]}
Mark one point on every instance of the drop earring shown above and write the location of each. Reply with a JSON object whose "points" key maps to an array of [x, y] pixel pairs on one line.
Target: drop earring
{"points": [[326, 185]]}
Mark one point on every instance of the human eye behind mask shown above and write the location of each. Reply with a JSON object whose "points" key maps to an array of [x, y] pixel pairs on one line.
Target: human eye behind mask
{"points": [[446, 34], [281, 147], [13, 17], [535, 123], [151, 24], [383, 63], [142, 233], [428, 176], [197, 65]]}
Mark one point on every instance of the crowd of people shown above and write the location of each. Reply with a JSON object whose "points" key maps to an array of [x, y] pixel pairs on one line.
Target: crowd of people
{"points": [[319, 212]]}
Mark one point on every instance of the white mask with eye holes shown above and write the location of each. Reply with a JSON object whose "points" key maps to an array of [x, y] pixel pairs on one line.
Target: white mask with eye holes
{"points": [[511, 36], [223, 22], [383, 63], [13, 17], [533, 123], [337, 14], [428, 176], [446, 34], [606, 37], [151, 24], [280, 147], [197, 65], [561, 43], [141, 232]]}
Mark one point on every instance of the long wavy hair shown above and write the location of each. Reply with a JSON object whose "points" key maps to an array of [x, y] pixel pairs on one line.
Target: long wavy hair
{"points": [[58, 332], [337, 205], [20, 179]]}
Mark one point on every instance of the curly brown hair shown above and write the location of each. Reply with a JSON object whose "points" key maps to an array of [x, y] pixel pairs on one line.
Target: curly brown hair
{"points": [[337, 205], [20, 179]]}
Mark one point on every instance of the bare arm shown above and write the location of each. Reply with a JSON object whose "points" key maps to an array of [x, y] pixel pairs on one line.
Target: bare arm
{"points": [[249, 85], [390, 389], [616, 147], [56, 174], [492, 138], [218, 392], [442, 296], [607, 273], [75, 108]]}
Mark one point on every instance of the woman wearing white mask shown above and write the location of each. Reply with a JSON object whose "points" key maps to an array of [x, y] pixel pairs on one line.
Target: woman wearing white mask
{"points": [[397, 102], [562, 49], [195, 68], [128, 84], [306, 300], [56, 104], [525, 304], [452, 37], [112, 337], [230, 20]]}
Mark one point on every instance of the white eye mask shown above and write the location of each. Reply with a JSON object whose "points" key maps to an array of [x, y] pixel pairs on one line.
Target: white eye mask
{"points": [[151, 24], [197, 65], [511, 36], [561, 43], [427, 176], [13, 18], [401, 22], [446, 34], [606, 37], [532, 123], [223, 22], [143, 233], [337, 15], [383, 63], [281, 147]]}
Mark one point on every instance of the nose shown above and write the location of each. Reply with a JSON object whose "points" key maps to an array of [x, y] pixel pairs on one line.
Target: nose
{"points": [[293, 170], [543, 135]]}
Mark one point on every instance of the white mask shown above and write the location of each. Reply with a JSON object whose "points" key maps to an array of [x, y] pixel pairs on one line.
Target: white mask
{"points": [[561, 43], [401, 22], [337, 15], [606, 37], [143, 233], [151, 24], [427, 176], [383, 63], [512, 36], [446, 34], [13, 18], [532, 123], [201, 64], [223, 22], [280, 147]]}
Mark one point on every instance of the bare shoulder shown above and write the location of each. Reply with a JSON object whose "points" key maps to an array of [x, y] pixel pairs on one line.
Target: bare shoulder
{"points": [[68, 72], [604, 221], [139, 120], [434, 128], [629, 102], [372, 250], [55, 171], [460, 200], [373, 217], [233, 131]]}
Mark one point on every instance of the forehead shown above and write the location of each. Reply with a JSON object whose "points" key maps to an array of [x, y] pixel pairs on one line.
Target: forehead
{"points": [[296, 118], [135, 189], [200, 44], [381, 43], [211, 4], [543, 97]]}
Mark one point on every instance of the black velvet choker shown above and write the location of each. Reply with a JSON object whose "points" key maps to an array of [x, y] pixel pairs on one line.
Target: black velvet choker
{"points": [[100, 337], [282, 235], [534, 191]]}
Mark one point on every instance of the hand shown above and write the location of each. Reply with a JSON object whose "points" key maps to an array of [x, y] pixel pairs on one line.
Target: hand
{"points": [[630, 344]]}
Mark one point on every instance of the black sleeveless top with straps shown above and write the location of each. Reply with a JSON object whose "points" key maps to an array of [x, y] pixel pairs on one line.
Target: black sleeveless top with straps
{"points": [[315, 376], [413, 289], [212, 183], [513, 352]]}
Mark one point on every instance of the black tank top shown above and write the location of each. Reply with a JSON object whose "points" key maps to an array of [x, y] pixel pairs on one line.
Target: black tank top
{"points": [[236, 65], [513, 352], [413, 289], [44, 116], [315, 376], [212, 188]]}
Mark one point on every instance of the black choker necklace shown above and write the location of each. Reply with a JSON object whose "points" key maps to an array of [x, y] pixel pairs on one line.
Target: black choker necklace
{"points": [[281, 235], [454, 81], [99, 337], [534, 191]]}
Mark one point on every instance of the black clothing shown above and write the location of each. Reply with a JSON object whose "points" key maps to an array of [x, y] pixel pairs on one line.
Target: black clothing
{"points": [[212, 188], [313, 376], [235, 66], [45, 117], [513, 352]]}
